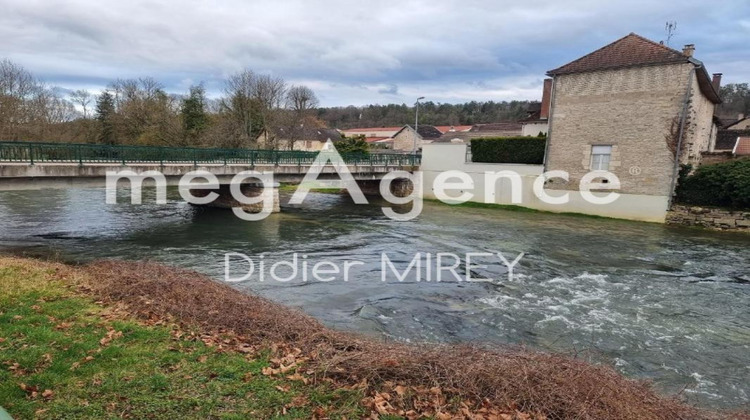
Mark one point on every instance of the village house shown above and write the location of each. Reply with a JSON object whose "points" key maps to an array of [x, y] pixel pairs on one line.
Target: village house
{"points": [[727, 138], [635, 108], [309, 139], [407, 138], [537, 117], [629, 108], [478, 131]]}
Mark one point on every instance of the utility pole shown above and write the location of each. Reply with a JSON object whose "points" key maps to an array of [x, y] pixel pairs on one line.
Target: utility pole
{"points": [[416, 125]]}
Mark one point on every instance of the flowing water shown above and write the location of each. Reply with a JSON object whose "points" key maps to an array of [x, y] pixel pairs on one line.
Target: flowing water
{"points": [[663, 303]]}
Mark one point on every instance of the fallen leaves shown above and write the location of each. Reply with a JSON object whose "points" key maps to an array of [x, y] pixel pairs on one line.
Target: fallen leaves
{"points": [[282, 365], [111, 335], [298, 377], [420, 402], [76, 365], [32, 392], [15, 368]]}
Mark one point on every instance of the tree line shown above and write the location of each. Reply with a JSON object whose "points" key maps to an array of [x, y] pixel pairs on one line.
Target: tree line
{"points": [[253, 110], [735, 97], [735, 100], [431, 113]]}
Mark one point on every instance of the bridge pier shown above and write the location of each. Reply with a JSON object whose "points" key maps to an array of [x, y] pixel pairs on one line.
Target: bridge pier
{"points": [[227, 201], [399, 187]]}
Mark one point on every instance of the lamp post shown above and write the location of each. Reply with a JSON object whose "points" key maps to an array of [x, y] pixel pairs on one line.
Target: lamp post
{"points": [[416, 125]]}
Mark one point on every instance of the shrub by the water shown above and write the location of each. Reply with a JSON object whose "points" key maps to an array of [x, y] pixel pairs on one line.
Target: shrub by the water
{"points": [[723, 185], [529, 150]]}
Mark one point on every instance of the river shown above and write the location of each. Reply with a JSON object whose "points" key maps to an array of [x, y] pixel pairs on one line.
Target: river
{"points": [[662, 303]]}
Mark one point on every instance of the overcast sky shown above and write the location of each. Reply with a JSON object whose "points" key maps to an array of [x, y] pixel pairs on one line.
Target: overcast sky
{"points": [[356, 52]]}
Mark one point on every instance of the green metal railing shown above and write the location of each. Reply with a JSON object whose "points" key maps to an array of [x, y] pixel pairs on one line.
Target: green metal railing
{"points": [[99, 153]]}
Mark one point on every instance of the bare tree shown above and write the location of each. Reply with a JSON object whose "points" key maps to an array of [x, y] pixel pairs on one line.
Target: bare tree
{"points": [[251, 106], [83, 98], [18, 90], [298, 120], [239, 108], [269, 91], [301, 99]]}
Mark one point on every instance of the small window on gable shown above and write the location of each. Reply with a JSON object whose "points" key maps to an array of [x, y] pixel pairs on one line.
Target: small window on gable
{"points": [[600, 157]]}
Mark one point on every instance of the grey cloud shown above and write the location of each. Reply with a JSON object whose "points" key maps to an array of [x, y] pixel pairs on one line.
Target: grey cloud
{"points": [[390, 90], [453, 50]]}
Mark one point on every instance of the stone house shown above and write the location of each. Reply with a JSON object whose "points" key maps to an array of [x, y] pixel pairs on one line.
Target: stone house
{"points": [[406, 138], [309, 139], [630, 107]]}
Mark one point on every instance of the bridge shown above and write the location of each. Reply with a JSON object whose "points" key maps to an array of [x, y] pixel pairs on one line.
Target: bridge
{"points": [[27, 165]]}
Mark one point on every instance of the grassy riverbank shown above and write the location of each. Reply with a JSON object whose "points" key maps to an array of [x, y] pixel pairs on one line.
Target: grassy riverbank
{"points": [[140, 340], [65, 356]]}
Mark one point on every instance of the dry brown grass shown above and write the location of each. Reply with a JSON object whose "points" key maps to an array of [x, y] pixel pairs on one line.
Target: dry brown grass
{"points": [[558, 387]]}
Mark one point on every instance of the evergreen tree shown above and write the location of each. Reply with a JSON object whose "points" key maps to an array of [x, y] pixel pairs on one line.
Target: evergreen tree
{"points": [[353, 145], [194, 116], [105, 112]]}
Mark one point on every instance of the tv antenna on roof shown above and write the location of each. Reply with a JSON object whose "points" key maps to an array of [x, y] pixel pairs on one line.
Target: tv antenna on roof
{"points": [[670, 28]]}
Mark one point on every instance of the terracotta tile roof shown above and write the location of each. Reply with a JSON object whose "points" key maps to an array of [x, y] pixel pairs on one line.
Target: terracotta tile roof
{"points": [[742, 148], [632, 50], [726, 139], [635, 51]]}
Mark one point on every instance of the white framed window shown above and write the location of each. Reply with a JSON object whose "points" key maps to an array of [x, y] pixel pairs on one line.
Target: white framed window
{"points": [[600, 157]]}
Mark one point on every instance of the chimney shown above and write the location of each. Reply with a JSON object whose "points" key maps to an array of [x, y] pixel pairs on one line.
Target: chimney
{"points": [[716, 81], [688, 50], [546, 93]]}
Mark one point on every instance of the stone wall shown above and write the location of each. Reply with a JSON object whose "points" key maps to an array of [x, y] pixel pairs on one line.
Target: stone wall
{"points": [[709, 217], [630, 109], [700, 132], [440, 157], [405, 140]]}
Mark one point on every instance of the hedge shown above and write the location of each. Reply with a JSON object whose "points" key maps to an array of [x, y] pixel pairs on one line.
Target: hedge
{"points": [[509, 150], [724, 184]]}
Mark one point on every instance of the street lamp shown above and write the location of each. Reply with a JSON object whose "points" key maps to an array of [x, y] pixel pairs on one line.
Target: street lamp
{"points": [[416, 125]]}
